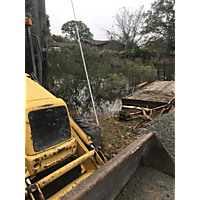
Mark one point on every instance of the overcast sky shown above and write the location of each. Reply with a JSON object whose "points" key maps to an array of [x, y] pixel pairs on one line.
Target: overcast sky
{"points": [[95, 14]]}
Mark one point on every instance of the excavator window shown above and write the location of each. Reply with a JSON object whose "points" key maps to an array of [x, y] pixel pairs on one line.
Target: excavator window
{"points": [[49, 127]]}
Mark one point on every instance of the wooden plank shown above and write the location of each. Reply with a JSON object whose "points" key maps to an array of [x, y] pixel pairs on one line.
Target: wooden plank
{"points": [[132, 115], [153, 97], [159, 91], [138, 102], [135, 107]]}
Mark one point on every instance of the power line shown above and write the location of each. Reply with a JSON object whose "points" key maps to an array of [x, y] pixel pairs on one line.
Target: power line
{"points": [[79, 41]]}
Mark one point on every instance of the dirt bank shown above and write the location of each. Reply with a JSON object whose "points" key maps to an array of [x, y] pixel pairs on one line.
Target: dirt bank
{"points": [[149, 183]]}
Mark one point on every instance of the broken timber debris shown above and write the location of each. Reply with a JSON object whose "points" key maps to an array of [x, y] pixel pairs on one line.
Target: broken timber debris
{"points": [[148, 98]]}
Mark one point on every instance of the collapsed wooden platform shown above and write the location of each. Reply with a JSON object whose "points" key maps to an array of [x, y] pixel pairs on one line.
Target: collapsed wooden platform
{"points": [[149, 98]]}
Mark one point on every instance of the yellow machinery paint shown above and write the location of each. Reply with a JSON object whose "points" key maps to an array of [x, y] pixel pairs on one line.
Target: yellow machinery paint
{"points": [[48, 160], [28, 21], [76, 147], [52, 164]]}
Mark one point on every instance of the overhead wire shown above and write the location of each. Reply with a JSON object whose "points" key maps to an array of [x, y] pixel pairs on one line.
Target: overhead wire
{"points": [[79, 41]]}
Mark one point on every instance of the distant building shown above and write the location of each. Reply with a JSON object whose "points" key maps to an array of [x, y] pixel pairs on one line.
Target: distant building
{"points": [[60, 44], [106, 44], [99, 44]]}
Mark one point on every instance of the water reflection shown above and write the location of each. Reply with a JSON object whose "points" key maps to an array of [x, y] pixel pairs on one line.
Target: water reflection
{"points": [[106, 101], [106, 104]]}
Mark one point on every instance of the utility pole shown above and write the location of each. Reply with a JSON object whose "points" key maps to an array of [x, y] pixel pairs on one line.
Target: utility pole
{"points": [[38, 33], [44, 43], [41, 32]]}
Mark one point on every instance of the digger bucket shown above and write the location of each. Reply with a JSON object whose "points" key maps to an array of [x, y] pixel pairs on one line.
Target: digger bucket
{"points": [[109, 180]]}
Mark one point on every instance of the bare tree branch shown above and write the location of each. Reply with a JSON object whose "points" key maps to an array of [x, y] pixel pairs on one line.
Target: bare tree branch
{"points": [[127, 26]]}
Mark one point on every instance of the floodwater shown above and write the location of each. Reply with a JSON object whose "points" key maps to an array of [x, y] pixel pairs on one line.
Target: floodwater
{"points": [[110, 102], [103, 106]]}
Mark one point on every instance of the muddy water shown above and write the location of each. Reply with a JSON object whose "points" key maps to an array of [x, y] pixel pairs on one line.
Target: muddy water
{"points": [[110, 102]]}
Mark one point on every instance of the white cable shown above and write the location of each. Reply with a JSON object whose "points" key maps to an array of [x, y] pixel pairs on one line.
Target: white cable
{"points": [[79, 41]]}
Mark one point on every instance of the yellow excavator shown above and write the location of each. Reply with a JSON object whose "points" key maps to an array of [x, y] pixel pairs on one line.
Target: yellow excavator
{"points": [[64, 157]]}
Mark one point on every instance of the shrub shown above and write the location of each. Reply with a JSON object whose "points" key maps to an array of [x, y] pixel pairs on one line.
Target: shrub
{"points": [[115, 78], [138, 74]]}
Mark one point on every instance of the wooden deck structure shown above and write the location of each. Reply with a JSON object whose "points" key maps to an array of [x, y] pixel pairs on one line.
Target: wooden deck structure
{"points": [[157, 96]]}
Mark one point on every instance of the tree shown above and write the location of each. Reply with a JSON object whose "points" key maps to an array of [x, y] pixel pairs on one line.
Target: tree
{"points": [[59, 38], [127, 27], [69, 29], [160, 23], [28, 4]]}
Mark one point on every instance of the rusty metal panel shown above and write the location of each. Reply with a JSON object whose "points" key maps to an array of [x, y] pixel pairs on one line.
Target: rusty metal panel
{"points": [[109, 180], [43, 161]]}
